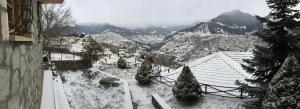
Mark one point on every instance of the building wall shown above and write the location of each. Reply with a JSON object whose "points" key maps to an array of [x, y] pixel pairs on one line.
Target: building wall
{"points": [[4, 20], [21, 68]]}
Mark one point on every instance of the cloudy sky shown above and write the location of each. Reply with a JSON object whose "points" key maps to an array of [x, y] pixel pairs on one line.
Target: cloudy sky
{"points": [[139, 13]]}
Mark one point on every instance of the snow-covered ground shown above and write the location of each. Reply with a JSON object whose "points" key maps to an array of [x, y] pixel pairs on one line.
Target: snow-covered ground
{"points": [[113, 39], [141, 95], [77, 47], [83, 93], [64, 57]]}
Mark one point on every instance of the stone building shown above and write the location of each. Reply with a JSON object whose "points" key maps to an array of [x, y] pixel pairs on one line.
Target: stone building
{"points": [[21, 68]]}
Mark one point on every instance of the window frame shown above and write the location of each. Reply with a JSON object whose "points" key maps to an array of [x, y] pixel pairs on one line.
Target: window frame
{"points": [[14, 11]]}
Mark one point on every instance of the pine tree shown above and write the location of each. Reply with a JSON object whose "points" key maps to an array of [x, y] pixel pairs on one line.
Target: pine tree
{"points": [[121, 63], [143, 75], [186, 87], [284, 89], [280, 41]]}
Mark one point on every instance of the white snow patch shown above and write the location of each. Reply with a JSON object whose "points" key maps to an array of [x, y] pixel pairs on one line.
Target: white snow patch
{"points": [[63, 56], [77, 47], [85, 94]]}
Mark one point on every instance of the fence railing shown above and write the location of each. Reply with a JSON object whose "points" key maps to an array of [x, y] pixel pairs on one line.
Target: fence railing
{"points": [[231, 92]]}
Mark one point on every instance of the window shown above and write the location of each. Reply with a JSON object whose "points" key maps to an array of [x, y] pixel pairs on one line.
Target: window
{"points": [[20, 19], [13, 16]]}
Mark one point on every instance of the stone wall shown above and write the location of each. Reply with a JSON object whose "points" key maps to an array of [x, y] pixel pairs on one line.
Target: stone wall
{"points": [[21, 74], [21, 67]]}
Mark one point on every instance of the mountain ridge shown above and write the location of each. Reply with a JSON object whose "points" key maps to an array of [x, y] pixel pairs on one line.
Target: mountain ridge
{"points": [[234, 22]]}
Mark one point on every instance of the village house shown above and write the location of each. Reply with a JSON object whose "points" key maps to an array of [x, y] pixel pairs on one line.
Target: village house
{"points": [[221, 70]]}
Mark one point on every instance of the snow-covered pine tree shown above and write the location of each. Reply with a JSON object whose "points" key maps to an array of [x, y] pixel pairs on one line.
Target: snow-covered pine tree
{"points": [[279, 40], [143, 75], [284, 89], [186, 87], [122, 63]]}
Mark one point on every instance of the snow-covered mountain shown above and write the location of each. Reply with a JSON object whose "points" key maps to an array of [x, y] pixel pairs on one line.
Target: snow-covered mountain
{"points": [[139, 42], [130, 38], [99, 28], [189, 46], [233, 23], [231, 31]]}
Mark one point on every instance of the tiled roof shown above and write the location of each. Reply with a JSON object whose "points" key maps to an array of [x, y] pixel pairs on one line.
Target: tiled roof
{"points": [[239, 56], [220, 69]]}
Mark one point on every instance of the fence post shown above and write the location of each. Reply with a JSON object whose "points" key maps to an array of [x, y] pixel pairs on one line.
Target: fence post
{"points": [[241, 93], [205, 88], [160, 78]]}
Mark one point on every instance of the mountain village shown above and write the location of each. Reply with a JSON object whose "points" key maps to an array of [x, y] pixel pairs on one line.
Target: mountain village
{"points": [[232, 61]]}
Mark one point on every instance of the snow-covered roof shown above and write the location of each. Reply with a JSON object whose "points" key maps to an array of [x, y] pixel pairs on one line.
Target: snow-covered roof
{"points": [[220, 69], [239, 56]]}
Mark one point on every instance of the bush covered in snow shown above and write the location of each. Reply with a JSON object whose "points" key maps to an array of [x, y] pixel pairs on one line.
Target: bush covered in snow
{"points": [[284, 89], [89, 74], [186, 87], [122, 63], [143, 75], [109, 82]]}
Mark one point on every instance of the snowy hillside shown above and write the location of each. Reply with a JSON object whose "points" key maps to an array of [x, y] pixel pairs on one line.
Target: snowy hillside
{"points": [[118, 41], [113, 39], [190, 45], [230, 31]]}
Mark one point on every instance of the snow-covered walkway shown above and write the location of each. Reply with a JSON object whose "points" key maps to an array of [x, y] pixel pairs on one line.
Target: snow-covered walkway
{"points": [[48, 91], [140, 97], [53, 96]]}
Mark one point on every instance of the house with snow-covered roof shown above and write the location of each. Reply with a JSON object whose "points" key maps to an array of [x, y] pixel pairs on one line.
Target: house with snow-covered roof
{"points": [[218, 69]]}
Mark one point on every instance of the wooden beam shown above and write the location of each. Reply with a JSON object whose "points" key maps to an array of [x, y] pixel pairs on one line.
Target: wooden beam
{"points": [[51, 1], [16, 14], [19, 38]]}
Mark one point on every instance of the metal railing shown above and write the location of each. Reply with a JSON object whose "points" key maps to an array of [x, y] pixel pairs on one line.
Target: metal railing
{"points": [[231, 92]]}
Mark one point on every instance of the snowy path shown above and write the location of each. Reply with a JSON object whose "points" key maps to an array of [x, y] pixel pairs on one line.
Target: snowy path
{"points": [[140, 97], [53, 96]]}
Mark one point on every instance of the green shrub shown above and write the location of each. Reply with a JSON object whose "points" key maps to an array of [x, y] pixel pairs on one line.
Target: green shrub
{"points": [[109, 82], [143, 75], [186, 87], [122, 63]]}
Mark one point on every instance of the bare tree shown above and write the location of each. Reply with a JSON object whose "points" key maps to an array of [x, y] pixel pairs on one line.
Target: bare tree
{"points": [[57, 19]]}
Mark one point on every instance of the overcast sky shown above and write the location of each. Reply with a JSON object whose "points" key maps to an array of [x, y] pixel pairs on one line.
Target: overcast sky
{"points": [[139, 13]]}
